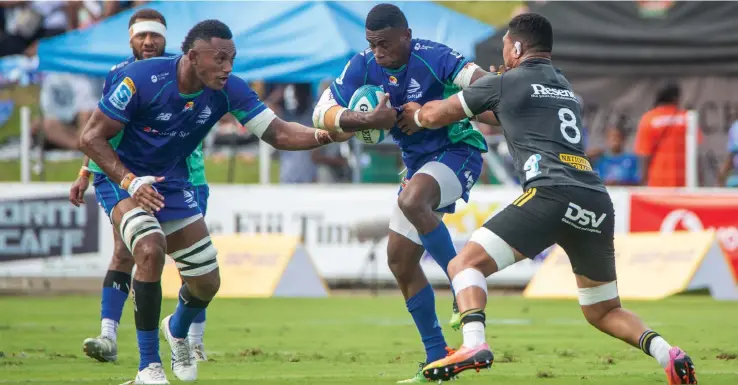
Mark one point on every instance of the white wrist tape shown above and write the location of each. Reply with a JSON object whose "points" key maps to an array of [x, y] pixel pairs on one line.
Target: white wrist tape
{"points": [[139, 181], [464, 77], [417, 119], [147, 26]]}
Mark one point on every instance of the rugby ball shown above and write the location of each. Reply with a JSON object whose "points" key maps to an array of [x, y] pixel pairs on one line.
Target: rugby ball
{"points": [[366, 99]]}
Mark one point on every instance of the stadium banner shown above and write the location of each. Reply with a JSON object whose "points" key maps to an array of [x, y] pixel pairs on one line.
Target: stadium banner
{"points": [[650, 266], [321, 216], [266, 265], [42, 234], [689, 212]]}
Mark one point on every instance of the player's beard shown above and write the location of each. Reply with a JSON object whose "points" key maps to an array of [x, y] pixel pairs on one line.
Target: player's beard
{"points": [[139, 55]]}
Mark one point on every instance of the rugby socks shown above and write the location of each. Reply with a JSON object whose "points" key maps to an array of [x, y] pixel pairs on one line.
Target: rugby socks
{"points": [[116, 286], [197, 329], [439, 245], [188, 308], [655, 346], [472, 327], [147, 307], [422, 306]]}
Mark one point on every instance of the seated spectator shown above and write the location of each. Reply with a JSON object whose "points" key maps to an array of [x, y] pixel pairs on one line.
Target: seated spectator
{"points": [[67, 102], [27, 21], [615, 166]]}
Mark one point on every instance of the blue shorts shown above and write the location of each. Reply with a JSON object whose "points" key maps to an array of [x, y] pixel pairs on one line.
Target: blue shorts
{"points": [[464, 165], [178, 204]]}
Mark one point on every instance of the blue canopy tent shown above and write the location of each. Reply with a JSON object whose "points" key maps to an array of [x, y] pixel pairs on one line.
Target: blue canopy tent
{"points": [[306, 41]]}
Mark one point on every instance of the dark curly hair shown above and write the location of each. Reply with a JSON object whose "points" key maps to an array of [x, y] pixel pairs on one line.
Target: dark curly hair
{"points": [[206, 30]]}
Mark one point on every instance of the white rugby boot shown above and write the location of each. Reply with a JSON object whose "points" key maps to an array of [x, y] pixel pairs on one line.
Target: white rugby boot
{"points": [[199, 351], [184, 364], [101, 348], [150, 375]]}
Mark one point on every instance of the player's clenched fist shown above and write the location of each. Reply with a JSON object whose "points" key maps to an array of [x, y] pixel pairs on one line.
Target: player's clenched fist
{"points": [[384, 117], [409, 123], [142, 191], [325, 137]]}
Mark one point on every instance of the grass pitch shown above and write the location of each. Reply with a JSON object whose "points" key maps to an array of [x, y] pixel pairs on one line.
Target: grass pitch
{"points": [[363, 340]]}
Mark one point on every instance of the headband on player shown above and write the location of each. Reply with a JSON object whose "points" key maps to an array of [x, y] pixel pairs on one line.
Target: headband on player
{"points": [[147, 26]]}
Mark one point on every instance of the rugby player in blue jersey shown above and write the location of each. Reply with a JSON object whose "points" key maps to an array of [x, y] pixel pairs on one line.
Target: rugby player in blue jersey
{"points": [[442, 165], [165, 107], [147, 31]]}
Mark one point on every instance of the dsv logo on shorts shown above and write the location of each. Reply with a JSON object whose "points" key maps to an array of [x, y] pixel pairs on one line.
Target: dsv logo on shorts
{"points": [[582, 219]]}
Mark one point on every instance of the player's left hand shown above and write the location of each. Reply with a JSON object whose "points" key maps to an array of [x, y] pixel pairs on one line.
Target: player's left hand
{"points": [[407, 118], [341, 136]]}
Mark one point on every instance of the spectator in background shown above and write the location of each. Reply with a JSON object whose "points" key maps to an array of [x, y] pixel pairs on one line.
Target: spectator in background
{"points": [[27, 21], [295, 104], [661, 140], [112, 7], [615, 166], [728, 176]]}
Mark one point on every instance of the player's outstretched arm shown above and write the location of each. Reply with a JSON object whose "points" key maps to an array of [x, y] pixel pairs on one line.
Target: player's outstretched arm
{"points": [[482, 96], [291, 136], [329, 115]]}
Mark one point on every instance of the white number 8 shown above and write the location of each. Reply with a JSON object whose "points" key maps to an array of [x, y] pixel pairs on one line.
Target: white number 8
{"points": [[569, 120]]}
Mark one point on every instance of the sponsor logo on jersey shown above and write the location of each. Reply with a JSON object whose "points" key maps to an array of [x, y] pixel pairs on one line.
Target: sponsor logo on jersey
{"points": [[541, 91], [189, 106], [204, 115], [413, 90], [575, 161], [422, 47], [583, 219], [393, 80], [164, 116], [123, 94], [161, 76], [189, 199]]}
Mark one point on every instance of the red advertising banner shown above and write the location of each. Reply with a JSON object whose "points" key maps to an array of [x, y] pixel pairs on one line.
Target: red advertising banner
{"points": [[671, 212]]}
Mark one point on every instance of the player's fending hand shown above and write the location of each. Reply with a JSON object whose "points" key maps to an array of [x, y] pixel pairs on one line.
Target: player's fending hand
{"points": [[77, 191], [384, 117], [407, 122], [142, 191]]}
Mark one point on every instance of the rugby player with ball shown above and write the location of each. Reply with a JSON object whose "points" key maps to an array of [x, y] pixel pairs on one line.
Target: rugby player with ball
{"points": [[442, 164]]}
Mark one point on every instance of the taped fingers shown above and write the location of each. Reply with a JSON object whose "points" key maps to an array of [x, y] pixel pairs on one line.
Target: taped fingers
{"points": [[135, 225], [198, 259]]}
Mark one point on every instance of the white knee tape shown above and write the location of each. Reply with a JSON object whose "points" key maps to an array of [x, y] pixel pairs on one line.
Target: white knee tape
{"points": [[401, 225], [447, 180], [196, 260], [467, 278], [170, 227], [135, 225], [593, 295], [495, 246]]}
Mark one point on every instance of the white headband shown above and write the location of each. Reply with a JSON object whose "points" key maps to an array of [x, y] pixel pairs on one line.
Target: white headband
{"points": [[147, 26]]}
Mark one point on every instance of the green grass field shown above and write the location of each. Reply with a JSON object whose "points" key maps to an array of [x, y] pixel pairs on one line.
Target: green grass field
{"points": [[363, 340]]}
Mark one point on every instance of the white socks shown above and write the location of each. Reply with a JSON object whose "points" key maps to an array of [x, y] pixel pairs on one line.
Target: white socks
{"points": [[194, 335], [473, 334], [659, 350], [109, 329]]}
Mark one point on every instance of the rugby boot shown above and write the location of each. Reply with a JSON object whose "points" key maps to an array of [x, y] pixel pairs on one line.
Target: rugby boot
{"points": [[680, 369], [199, 351], [463, 359], [101, 348], [455, 321], [184, 364], [418, 378], [150, 375]]}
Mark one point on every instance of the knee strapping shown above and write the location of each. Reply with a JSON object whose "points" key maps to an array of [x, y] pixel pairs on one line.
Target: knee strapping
{"points": [[593, 295], [135, 225], [196, 260], [495, 247], [467, 278]]}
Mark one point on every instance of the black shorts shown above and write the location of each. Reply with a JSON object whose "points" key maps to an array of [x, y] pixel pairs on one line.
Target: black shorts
{"points": [[580, 220]]}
